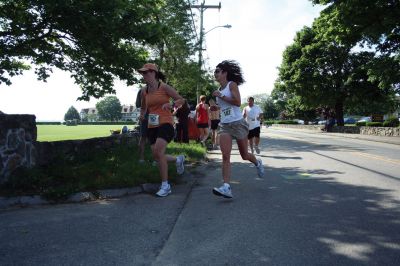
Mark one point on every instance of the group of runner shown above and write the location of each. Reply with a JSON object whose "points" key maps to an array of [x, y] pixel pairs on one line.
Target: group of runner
{"points": [[233, 123]]}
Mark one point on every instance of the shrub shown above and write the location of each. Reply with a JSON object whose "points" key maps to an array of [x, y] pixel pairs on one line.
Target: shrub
{"points": [[391, 122], [73, 122], [48, 123], [109, 123], [374, 124], [361, 124], [287, 122]]}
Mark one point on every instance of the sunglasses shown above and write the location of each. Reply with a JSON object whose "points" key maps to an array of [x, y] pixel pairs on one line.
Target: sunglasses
{"points": [[217, 71], [145, 72]]}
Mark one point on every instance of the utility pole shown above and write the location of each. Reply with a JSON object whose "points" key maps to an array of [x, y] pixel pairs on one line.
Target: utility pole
{"points": [[202, 7]]}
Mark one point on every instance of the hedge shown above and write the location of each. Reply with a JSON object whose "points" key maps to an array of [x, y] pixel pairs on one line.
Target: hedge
{"points": [[107, 123], [361, 124], [374, 124], [391, 122], [48, 123]]}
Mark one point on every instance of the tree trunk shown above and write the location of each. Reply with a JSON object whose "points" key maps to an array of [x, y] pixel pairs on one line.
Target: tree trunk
{"points": [[339, 113]]}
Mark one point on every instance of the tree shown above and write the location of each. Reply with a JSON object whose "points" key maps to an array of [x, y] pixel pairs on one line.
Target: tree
{"points": [[109, 109], [374, 24], [96, 41], [326, 73], [72, 114], [270, 109]]}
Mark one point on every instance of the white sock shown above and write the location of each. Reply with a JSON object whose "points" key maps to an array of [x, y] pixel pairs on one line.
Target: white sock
{"points": [[227, 185], [164, 184]]}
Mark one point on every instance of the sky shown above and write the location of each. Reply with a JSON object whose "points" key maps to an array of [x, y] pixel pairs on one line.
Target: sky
{"points": [[260, 32]]}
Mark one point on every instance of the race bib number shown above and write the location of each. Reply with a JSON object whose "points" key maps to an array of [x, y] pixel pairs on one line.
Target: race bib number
{"points": [[226, 113], [154, 120], [252, 123]]}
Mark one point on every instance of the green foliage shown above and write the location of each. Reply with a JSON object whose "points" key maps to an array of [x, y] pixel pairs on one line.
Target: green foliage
{"points": [[103, 169], [96, 41], [350, 23], [48, 123], [270, 109], [391, 122], [72, 114], [319, 72], [109, 109], [361, 124], [71, 123], [287, 122], [108, 123], [374, 124]]}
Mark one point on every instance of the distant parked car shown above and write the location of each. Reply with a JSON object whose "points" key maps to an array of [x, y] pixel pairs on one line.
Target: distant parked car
{"points": [[299, 121], [349, 120], [322, 122], [365, 119]]}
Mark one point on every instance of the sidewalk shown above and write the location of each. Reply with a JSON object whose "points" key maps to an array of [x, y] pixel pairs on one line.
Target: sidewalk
{"points": [[382, 139]]}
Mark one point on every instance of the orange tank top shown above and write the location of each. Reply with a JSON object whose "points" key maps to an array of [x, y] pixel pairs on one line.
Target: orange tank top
{"points": [[154, 102]]}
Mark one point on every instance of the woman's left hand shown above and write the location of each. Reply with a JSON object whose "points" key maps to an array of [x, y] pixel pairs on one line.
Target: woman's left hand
{"points": [[166, 106]]}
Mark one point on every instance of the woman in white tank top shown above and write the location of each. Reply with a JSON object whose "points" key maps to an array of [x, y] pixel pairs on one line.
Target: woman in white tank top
{"points": [[232, 126]]}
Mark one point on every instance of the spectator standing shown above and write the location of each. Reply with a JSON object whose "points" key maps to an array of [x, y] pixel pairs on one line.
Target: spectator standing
{"points": [[253, 115], [182, 126]]}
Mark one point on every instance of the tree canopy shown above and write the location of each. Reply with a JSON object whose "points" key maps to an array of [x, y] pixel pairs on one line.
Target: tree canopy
{"points": [[72, 114], [372, 22], [328, 66], [95, 40], [109, 109]]}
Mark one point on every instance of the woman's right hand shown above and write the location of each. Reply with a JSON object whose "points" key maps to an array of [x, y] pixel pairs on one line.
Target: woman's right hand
{"points": [[216, 93]]}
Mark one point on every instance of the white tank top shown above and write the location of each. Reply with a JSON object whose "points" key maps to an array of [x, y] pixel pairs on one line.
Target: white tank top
{"points": [[229, 113]]}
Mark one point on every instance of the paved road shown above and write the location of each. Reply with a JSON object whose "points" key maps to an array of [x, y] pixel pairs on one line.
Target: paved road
{"points": [[324, 201]]}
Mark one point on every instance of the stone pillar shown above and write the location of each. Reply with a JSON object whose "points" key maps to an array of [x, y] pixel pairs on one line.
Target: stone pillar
{"points": [[18, 134]]}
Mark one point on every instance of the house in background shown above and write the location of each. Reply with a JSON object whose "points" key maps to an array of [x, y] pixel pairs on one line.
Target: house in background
{"points": [[128, 113], [89, 115]]}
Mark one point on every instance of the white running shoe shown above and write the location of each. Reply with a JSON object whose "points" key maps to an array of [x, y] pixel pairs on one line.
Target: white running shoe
{"points": [[257, 150], [164, 191], [180, 167], [260, 168], [223, 191]]}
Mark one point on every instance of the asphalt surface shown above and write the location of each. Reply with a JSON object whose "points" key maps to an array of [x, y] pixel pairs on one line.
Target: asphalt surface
{"points": [[308, 210]]}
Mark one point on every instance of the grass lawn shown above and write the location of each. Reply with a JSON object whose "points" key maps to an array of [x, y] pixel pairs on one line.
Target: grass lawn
{"points": [[62, 132]]}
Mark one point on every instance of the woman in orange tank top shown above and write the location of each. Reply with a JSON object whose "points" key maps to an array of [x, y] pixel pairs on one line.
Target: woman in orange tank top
{"points": [[156, 102]]}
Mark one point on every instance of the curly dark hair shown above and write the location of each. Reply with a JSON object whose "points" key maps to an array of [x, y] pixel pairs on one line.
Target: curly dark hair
{"points": [[233, 69]]}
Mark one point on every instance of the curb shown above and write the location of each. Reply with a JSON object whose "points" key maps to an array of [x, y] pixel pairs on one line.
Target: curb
{"points": [[26, 201]]}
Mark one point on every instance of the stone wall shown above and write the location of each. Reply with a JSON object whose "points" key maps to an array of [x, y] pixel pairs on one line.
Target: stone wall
{"points": [[377, 131], [19, 148], [17, 137], [48, 151]]}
